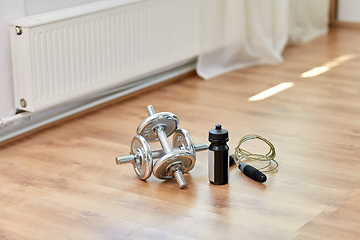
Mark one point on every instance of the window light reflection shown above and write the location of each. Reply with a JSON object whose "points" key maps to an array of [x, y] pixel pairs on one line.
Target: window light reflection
{"points": [[315, 71], [271, 91], [327, 66]]}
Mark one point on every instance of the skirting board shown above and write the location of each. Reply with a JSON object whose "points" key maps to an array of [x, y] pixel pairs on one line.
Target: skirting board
{"points": [[40, 119]]}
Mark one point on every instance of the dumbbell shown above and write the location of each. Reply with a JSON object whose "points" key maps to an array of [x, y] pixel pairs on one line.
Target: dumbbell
{"points": [[158, 126], [142, 157]]}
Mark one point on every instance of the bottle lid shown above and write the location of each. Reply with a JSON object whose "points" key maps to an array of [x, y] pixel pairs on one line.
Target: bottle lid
{"points": [[218, 135]]}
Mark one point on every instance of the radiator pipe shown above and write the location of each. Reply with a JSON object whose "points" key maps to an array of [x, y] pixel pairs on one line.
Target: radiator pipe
{"points": [[5, 121]]}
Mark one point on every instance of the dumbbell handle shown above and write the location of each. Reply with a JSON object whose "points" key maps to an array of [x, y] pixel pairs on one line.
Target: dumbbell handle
{"points": [[159, 130], [155, 154], [160, 153], [125, 159]]}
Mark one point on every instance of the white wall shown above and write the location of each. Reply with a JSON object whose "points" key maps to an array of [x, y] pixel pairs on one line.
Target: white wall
{"points": [[40, 6], [9, 9], [12, 9], [349, 11]]}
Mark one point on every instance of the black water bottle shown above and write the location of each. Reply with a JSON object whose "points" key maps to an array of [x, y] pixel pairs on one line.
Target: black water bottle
{"points": [[218, 156]]}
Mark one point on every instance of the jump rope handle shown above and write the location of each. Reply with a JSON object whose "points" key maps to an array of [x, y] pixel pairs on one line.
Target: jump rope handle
{"points": [[249, 170]]}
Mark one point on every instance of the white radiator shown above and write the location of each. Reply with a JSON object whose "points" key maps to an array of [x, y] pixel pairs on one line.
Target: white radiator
{"points": [[63, 55]]}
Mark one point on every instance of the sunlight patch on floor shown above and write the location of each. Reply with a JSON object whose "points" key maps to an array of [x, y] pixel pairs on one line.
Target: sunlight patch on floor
{"points": [[311, 73], [329, 65], [271, 91]]}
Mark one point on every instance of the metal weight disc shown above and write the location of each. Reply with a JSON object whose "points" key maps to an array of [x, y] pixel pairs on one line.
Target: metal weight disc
{"points": [[184, 158], [167, 120], [183, 140], [143, 163]]}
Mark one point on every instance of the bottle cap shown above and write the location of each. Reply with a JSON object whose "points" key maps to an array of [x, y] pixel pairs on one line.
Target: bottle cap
{"points": [[218, 135]]}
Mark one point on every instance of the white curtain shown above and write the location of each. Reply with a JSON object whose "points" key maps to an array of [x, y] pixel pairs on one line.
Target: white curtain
{"points": [[308, 19], [236, 34]]}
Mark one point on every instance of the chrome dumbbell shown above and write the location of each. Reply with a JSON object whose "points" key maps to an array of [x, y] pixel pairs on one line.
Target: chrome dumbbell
{"points": [[142, 157], [158, 126]]}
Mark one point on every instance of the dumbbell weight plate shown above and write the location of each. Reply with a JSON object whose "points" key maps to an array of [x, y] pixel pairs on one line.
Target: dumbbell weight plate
{"points": [[183, 140], [167, 120], [183, 156], [144, 163]]}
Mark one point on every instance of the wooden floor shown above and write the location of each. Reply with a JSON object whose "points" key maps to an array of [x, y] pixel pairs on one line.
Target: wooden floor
{"points": [[63, 183]]}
